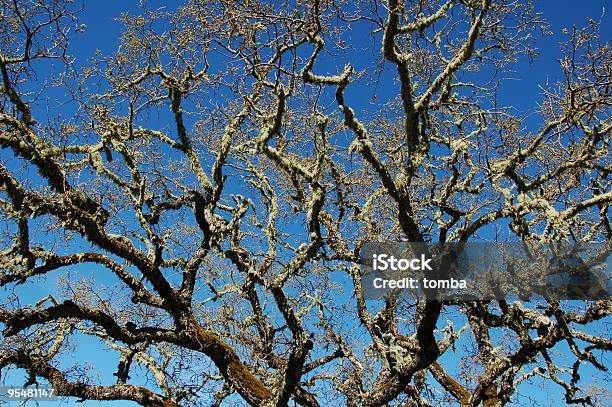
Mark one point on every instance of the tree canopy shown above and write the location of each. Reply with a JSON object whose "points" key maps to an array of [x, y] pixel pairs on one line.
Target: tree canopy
{"points": [[195, 201]]}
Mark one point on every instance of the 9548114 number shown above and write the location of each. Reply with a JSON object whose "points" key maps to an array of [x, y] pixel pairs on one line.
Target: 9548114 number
{"points": [[16, 393]]}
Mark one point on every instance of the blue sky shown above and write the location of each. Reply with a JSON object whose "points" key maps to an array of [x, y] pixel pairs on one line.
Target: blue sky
{"points": [[103, 30], [522, 92]]}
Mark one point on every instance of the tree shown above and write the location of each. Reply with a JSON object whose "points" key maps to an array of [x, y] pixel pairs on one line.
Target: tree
{"points": [[200, 197]]}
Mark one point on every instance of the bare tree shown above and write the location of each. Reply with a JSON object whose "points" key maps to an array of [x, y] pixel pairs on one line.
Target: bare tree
{"points": [[196, 201]]}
